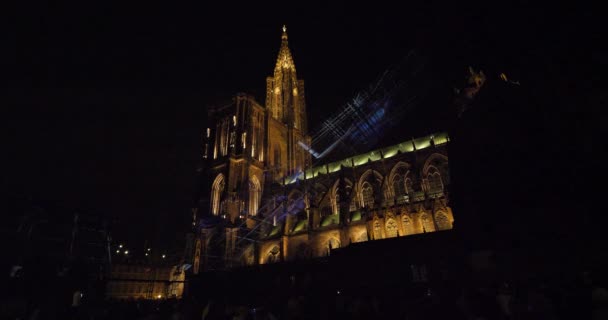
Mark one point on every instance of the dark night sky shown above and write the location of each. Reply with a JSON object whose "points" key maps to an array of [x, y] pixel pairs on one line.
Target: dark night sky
{"points": [[106, 104]]}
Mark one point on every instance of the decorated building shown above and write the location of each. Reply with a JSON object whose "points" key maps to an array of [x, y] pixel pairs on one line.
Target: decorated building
{"points": [[263, 200]]}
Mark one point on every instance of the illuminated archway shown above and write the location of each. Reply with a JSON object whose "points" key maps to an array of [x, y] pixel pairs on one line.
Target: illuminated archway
{"points": [[217, 188], [369, 184], [367, 195], [434, 181], [397, 179]]}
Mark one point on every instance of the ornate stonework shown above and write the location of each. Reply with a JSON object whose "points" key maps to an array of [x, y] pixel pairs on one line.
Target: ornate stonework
{"points": [[261, 201]]}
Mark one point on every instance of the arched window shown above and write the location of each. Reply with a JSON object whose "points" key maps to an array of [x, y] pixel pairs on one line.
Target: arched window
{"points": [[368, 195], [216, 193], [409, 188], [255, 194], [377, 231], [399, 189], [335, 195], [435, 183], [408, 227], [391, 228], [427, 223], [443, 223]]}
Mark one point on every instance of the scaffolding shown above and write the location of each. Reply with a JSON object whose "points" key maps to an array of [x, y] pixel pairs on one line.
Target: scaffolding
{"points": [[361, 121]]}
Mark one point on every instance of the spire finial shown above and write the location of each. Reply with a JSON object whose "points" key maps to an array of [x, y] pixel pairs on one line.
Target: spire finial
{"points": [[284, 35]]}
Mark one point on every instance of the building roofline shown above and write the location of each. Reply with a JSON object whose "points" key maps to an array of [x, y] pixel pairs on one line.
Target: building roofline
{"points": [[407, 146]]}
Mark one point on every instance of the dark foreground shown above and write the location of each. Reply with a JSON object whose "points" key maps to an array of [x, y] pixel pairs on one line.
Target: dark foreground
{"points": [[414, 278]]}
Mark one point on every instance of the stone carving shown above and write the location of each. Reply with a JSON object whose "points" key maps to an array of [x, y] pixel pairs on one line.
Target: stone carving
{"points": [[443, 223], [391, 228]]}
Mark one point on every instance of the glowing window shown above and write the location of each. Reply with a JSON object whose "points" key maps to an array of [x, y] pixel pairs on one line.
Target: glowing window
{"points": [[368, 195], [435, 183], [399, 189]]}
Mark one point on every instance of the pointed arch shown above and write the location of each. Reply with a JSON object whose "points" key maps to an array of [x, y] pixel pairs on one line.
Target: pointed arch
{"points": [[367, 195], [377, 229], [442, 221], [399, 168], [427, 222], [255, 195], [377, 177], [436, 159], [217, 189], [436, 174], [335, 195], [399, 182], [408, 224], [370, 183], [434, 181], [391, 228]]}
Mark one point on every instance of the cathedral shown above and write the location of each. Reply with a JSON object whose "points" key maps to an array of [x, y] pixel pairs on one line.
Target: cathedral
{"points": [[262, 200]]}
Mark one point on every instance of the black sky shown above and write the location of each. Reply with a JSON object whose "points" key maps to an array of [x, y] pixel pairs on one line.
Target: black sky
{"points": [[107, 103]]}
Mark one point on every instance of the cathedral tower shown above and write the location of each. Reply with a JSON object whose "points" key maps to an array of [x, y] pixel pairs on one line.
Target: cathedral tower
{"points": [[286, 109]]}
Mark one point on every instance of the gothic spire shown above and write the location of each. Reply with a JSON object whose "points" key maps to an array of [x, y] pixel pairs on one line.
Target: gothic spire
{"points": [[284, 36], [284, 60], [284, 94]]}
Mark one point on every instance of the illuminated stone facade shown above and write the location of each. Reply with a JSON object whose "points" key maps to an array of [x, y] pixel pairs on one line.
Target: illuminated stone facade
{"points": [[261, 201]]}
